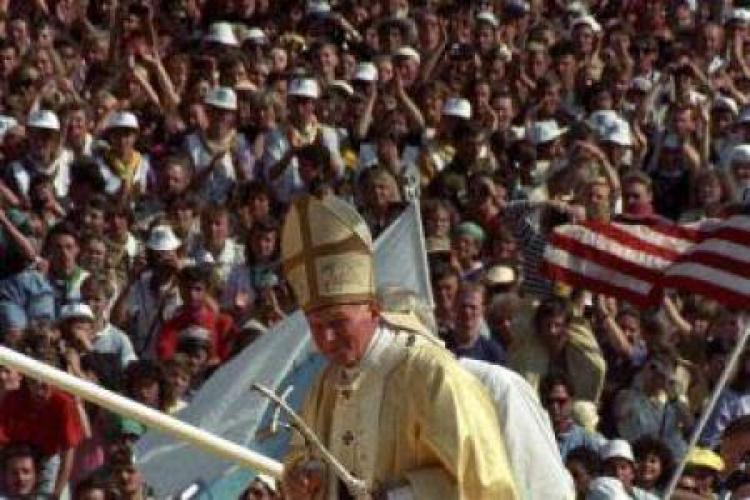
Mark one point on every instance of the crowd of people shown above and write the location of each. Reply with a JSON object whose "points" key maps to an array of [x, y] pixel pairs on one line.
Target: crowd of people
{"points": [[149, 149]]}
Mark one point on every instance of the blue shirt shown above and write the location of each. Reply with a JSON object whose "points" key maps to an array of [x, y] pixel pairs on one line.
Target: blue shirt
{"points": [[575, 437], [484, 349]]}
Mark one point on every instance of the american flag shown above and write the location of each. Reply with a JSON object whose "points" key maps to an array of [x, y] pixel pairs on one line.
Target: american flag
{"points": [[637, 262]]}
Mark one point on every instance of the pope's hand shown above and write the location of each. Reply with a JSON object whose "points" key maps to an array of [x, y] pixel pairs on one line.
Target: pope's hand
{"points": [[302, 482]]}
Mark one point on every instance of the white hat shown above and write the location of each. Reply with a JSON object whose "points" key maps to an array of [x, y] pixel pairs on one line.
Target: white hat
{"points": [[121, 119], [76, 311], [343, 86], [741, 154], [222, 98], [407, 52], [588, 21], [617, 448], [458, 107], [256, 35], [544, 131], [641, 83], [503, 52], [488, 17], [576, 8], [727, 103], [366, 72], [163, 239], [194, 333], [304, 87], [740, 15], [599, 120], [221, 33], [500, 275], [43, 118], [606, 488], [617, 132], [318, 8]]}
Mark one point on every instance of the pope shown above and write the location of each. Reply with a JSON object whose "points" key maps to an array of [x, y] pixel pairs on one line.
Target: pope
{"points": [[393, 407]]}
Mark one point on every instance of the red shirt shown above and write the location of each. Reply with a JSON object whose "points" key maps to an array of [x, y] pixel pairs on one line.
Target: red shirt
{"points": [[221, 326], [52, 426]]}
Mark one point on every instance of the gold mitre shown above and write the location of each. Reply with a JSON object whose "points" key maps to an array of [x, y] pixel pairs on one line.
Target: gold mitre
{"points": [[326, 251]]}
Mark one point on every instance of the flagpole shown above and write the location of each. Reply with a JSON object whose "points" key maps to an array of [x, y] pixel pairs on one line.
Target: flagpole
{"points": [[142, 413], [744, 323]]}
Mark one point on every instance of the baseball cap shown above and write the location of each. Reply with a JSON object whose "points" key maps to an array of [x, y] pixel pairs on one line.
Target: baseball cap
{"points": [[223, 98], [194, 335], [44, 119], [545, 131], [587, 21], [221, 33], [304, 87], [488, 18], [705, 458], [617, 132], [407, 52], [741, 154], [342, 86], [366, 72], [76, 311], [458, 107], [726, 103], [122, 119], [617, 448], [163, 239]]}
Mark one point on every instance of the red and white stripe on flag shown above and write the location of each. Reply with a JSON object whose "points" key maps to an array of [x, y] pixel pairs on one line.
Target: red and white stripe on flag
{"points": [[622, 260], [719, 266]]}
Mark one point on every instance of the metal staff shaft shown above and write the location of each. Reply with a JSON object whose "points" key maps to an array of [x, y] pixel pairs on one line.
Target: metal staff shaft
{"points": [[721, 384], [142, 413]]}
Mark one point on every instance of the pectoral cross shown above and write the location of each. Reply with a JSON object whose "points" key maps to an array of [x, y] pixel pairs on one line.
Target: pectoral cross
{"points": [[348, 438]]}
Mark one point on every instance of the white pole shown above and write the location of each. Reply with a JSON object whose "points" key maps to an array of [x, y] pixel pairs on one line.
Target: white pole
{"points": [[744, 323], [147, 416]]}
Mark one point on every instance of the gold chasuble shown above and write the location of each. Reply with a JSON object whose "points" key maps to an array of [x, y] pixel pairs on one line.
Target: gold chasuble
{"points": [[407, 418], [430, 425]]}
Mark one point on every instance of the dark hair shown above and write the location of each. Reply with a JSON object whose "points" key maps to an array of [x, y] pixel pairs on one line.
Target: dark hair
{"points": [[550, 308], [194, 274], [740, 425], [86, 171], [149, 370], [588, 458], [649, 445], [21, 450], [551, 381]]}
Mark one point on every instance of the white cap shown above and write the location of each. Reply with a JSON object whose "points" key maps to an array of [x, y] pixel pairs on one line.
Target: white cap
{"points": [[606, 488], [617, 132], [727, 103], [740, 15], [121, 119], [458, 107], [408, 53], [500, 275], [318, 7], [304, 87], [588, 21], [599, 120], [163, 239], [641, 83], [576, 7], [504, 52], [222, 97], [544, 131], [254, 34], [221, 33], [488, 17], [366, 72], [343, 86], [741, 154], [194, 333], [617, 448], [76, 311], [43, 118]]}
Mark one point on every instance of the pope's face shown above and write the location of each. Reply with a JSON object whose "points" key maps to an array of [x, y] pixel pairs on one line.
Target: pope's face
{"points": [[343, 332]]}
